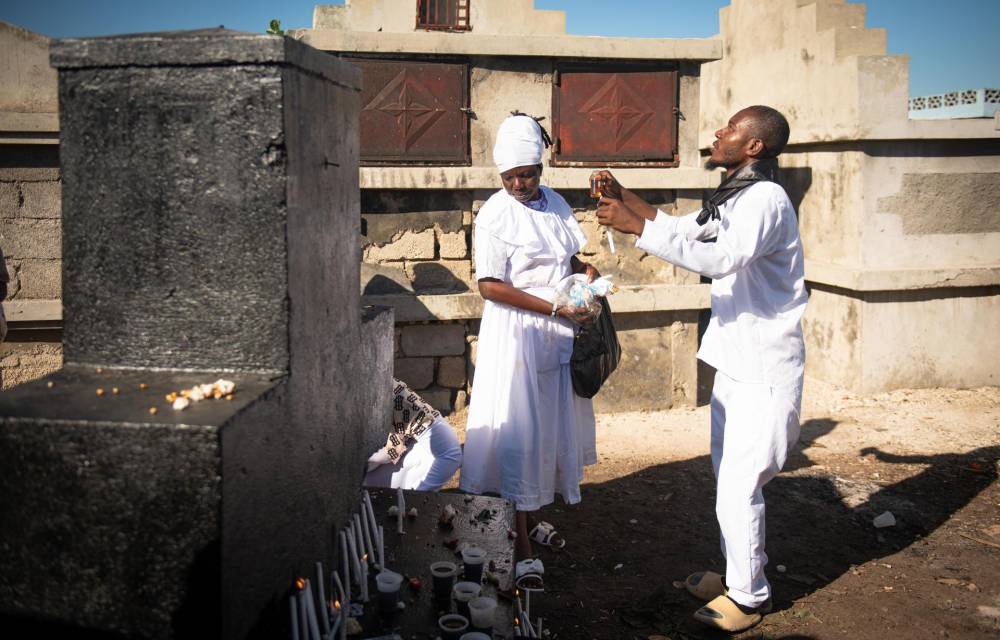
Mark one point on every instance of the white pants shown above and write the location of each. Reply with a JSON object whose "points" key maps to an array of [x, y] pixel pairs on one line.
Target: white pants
{"points": [[753, 428], [426, 466]]}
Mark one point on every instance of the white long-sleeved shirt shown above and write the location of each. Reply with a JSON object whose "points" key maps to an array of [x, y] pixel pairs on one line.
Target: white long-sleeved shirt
{"points": [[758, 281]]}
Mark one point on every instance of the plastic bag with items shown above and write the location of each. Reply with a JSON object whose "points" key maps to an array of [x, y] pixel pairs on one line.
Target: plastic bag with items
{"points": [[575, 291]]}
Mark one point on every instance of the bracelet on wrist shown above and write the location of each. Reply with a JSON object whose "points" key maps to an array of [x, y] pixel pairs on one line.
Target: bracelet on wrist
{"points": [[555, 309]]}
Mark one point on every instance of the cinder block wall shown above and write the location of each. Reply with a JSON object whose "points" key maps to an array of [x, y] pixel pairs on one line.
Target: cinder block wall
{"points": [[430, 252], [31, 238], [30, 206], [898, 217]]}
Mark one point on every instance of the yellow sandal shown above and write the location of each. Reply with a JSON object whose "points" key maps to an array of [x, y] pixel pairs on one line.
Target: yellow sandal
{"points": [[705, 585], [722, 613]]}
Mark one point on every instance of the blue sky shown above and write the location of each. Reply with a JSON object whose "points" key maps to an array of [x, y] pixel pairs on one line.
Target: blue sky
{"points": [[952, 45]]}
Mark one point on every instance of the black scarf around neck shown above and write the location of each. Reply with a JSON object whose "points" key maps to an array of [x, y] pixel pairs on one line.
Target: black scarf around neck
{"points": [[758, 171]]}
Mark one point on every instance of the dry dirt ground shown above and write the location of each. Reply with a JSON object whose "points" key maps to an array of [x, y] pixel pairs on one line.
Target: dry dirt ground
{"points": [[647, 520]]}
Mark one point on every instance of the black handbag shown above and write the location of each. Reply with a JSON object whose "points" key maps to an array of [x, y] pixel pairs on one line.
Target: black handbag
{"points": [[596, 353]]}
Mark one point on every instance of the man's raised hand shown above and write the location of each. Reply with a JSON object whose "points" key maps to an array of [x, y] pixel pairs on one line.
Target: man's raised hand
{"points": [[617, 215], [610, 187]]}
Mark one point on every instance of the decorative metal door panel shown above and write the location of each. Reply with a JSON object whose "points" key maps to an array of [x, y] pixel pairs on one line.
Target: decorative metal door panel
{"points": [[413, 112], [613, 117]]}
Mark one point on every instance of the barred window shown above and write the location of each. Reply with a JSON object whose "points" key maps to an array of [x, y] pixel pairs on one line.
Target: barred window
{"points": [[447, 15]]}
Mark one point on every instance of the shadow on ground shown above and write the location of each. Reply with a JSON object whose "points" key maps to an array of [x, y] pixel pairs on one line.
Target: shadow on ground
{"points": [[659, 525]]}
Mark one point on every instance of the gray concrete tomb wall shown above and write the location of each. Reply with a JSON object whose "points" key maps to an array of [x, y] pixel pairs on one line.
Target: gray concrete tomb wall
{"points": [[211, 222]]}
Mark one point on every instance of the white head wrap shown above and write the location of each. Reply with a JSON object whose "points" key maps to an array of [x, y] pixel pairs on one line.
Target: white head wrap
{"points": [[519, 143]]}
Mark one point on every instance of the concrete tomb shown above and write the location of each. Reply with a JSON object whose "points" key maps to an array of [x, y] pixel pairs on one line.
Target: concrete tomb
{"points": [[210, 231]]}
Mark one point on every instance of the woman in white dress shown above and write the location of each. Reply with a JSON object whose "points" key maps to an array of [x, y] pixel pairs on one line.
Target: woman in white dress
{"points": [[529, 435]]}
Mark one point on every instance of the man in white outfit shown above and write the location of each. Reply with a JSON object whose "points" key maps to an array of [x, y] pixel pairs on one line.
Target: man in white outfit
{"points": [[746, 239]]}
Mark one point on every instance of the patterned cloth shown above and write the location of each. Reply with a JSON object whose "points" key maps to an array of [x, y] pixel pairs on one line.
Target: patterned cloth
{"points": [[411, 416]]}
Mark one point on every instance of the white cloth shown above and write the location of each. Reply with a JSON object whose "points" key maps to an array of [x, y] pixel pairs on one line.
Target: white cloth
{"points": [[758, 286], [518, 144], [426, 466], [529, 435], [753, 428]]}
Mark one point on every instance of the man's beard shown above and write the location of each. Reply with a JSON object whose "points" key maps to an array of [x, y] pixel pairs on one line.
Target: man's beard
{"points": [[711, 163]]}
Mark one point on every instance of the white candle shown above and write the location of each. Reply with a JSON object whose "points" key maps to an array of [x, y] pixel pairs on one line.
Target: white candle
{"points": [[363, 539], [293, 610], [346, 600], [324, 606], [303, 615], [344, 606], [336, 626], [367, 531], [355, 564], [364, 581], [311, 611], [401, 505], [381, 547], [611, 241], [522, 618], [374, 525]]}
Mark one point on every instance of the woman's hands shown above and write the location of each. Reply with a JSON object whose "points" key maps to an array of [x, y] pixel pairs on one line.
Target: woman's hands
{"points": [[579, 315], [579, 266]]}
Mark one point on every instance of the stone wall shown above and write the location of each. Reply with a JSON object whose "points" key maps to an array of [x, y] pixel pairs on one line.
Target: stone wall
{"points": [[419, 220], [30, 207], [429, 253], [898, 222], [393, 16], [31, 238]]}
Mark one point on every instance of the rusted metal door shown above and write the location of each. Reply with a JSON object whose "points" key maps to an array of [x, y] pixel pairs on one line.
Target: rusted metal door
{"points": [[624, 116], [412, 112]]}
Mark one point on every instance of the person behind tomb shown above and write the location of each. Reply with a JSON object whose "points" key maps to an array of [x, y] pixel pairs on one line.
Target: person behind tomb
{"points": [[422, 451], [746, 239], [528, 435]]}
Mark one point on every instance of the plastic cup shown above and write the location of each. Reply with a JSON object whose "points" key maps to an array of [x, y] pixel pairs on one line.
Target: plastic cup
{"points": [[463, 592], [474, 558], [388, 583], [452, 626], [443, 575], [482, 611]]}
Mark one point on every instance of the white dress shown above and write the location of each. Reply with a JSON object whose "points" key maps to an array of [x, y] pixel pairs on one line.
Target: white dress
{"points": [[529, 435]]}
